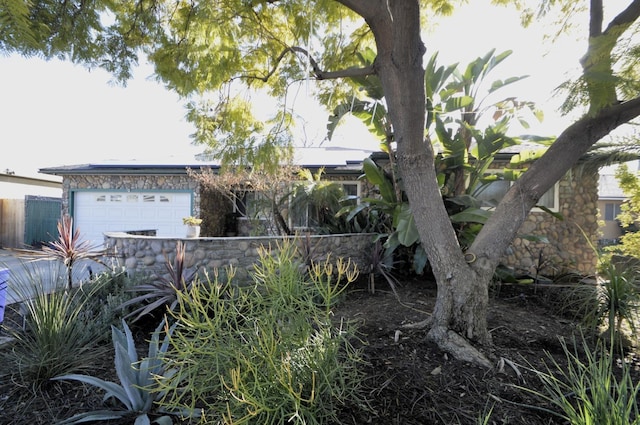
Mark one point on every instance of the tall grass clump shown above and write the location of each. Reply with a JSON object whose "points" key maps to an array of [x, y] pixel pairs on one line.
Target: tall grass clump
{"points": [[608, 308], [58, 335], [62, 330], [268, 352], [594, 388]]}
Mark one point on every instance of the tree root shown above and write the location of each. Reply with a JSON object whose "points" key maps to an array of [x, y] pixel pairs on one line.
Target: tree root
{"points": [[424, 324], [452, 343]]}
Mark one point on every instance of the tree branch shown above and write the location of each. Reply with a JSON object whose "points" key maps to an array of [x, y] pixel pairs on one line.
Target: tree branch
{"points": [[574, 142], [318, 73], [625, 18], [361, 7]]}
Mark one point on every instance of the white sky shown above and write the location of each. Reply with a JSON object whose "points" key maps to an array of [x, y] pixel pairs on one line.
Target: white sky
{"points": [[54, 113]]}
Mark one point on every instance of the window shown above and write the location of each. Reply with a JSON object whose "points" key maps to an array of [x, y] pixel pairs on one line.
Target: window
{"points": [[309, 215], [490, 194], [351, 191], [248, 203], [611, 211]]}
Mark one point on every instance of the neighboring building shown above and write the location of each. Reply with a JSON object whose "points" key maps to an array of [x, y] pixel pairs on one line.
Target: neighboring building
{"points": [[610, 201], [29, 210], [138, 198]]}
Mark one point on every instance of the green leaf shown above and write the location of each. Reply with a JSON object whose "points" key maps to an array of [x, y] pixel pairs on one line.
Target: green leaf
{"points": [[111, 389], [471, 215], [376, 176], [458, 102], [163, 420], [128, 377], [98, 415], [553, 213], [406, 227], [420, 259], [142, 420]]}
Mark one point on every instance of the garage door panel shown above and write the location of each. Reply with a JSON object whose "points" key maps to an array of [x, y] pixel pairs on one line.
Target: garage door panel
{"points": [[98, 212]]}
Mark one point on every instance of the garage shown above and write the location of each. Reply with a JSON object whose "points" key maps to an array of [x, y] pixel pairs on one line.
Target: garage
{"points": [[96, 212]]}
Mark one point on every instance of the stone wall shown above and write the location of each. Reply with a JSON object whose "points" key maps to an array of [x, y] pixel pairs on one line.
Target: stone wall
{"points": [[147, 254], [570, 240], [128, 182]]}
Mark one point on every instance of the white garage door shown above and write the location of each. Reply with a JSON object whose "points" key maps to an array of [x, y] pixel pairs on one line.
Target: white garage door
{"points": [[98, 212]]}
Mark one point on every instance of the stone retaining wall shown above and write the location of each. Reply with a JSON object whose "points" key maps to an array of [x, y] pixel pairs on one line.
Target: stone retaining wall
{"points": [[147, 254]]}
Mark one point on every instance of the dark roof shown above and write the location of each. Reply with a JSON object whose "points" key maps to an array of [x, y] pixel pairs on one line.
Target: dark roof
{"points": [[335, 160]]}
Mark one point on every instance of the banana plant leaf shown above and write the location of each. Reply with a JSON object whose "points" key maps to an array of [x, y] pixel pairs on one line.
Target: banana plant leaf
{"points": [[471, 215]]}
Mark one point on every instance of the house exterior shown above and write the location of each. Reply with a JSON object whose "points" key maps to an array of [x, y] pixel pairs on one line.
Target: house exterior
{"points": [[611, 198], [558, 236], [152, 199]]}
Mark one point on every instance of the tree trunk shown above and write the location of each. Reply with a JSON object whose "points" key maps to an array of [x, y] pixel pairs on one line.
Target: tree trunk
{"points": [[463, 278], [462, 299]]}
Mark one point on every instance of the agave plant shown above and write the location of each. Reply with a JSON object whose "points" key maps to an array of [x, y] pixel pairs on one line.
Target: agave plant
{"points": [[136, 389], [163, 291]]}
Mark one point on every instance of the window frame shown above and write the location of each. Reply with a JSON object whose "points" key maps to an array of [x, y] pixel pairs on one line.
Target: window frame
{"points": [[291, 221], [556, 196]]}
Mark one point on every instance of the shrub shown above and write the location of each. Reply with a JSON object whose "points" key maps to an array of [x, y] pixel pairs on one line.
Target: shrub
{"points": [[611, 302], [266, 353], [163, 292]]}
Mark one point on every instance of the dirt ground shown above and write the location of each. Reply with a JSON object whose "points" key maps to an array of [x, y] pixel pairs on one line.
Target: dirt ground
{"points": [[409, 381]]}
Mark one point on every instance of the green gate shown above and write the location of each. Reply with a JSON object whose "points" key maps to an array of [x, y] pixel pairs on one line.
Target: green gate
{"points": [[41, 220]]}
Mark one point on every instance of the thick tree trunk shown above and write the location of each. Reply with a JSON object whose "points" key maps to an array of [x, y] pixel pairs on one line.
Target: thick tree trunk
{"points": [[462, 299]]}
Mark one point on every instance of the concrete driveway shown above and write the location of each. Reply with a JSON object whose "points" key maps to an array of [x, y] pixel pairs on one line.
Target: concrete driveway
{"points": [[24, 275]]}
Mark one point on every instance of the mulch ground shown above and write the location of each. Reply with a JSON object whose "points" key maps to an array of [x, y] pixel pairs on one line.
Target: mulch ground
{"points": [[409, 381]]}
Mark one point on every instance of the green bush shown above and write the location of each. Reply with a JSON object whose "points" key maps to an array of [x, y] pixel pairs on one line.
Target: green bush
{"points": [[64, 329], [266, 353], [607, 308], [105, 295]]}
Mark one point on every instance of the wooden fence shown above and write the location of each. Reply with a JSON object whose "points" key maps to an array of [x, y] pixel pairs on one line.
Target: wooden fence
{"points": [[12, 223]]}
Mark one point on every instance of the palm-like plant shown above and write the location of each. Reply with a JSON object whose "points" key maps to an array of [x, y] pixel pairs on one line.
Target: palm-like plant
{"points": [[163, 291], [68, 248], [319, 199], [620, 298]]}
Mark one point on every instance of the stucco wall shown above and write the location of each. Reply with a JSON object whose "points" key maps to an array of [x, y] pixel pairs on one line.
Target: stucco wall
{"points": [[147, 254]]}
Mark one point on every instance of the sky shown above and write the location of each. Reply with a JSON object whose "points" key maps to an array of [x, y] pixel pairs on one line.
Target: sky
{"points": [[55, 113]]}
